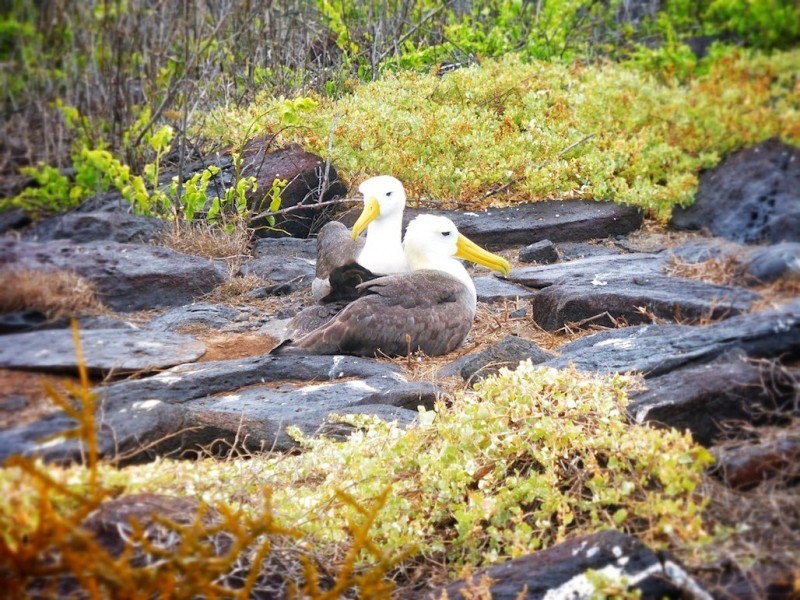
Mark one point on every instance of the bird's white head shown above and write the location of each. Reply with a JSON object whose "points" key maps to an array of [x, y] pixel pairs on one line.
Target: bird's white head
{"points": [[384, 199], [433, 241]]}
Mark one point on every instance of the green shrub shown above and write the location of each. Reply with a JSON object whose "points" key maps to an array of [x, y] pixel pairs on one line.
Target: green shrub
{"points": [[507, 124], [532, 457]]}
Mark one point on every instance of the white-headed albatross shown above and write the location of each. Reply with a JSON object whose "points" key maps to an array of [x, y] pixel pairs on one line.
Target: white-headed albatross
{"points": [[431, 308], [381, 252]]}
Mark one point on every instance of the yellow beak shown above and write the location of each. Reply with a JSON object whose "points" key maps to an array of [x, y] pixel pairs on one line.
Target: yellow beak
{"points": [[372, 211], [469, 250]]}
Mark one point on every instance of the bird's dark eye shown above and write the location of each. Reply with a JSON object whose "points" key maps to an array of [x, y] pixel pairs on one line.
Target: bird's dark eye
{"points": [[388, 194], [445, 233]]}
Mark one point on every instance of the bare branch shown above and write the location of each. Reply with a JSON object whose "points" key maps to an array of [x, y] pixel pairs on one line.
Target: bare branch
{"points": [[298, 207]]}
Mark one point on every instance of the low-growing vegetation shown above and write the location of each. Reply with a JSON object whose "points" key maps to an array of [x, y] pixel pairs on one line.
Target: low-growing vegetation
{"points": [[508, 130], [531, 457]]}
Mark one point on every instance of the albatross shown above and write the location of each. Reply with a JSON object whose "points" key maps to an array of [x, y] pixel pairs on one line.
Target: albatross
{"points": [[380, 252], [431, 308]]}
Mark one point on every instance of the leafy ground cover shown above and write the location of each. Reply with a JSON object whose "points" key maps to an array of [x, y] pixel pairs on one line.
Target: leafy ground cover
{"points": [[526, 459], [509, 131]]}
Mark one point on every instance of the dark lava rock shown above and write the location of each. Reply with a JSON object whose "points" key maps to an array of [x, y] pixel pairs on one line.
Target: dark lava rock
{"points": [[768, 264], [543, 251], [113, 517], [304, 172], [600, 268], [13, 218], [491, 289], [657, 349], [117, 226], [198, 380], [506, 353], [125, 435], [708, 399], [23, 321], [701, 250], [164, 521], [243, 404], [576, 250], [170, 525], [604, 289], [209, 315], [634, 300], [257, 416], [558, 221], [104, 350], [291, 272], [745, 465], [563, 572], [128, 276], [752, 196], [301, 248]]}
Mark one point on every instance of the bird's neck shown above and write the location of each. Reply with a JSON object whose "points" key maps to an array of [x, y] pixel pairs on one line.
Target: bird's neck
{"points": [[383, 249]]}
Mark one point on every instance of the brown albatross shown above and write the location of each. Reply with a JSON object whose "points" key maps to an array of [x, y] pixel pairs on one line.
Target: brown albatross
{"points": [[380, 252], [431, 308]]}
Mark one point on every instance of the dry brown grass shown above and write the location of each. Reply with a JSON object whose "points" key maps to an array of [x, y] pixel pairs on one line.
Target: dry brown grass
{"points": [[719, 271], [731, 271], [55, 293], [230, 345], [234, 290], [763, 524], [777, 293], [200, 238]]}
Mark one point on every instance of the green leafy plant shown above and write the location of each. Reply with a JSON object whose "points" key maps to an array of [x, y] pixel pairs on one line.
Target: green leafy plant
{"points": [[500, 131], [530, 457]]}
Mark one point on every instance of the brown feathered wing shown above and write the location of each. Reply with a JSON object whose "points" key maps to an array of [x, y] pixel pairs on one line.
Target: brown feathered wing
{"points": [[425, 310]]}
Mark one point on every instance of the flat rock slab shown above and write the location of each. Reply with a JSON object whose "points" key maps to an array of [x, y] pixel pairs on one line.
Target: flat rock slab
{"points": [[82, 227], [492, 289], [104, 350], [199, 380], [752, 196], [128, 277], [299, 247], [295, 273], [208, 315], [246, 404], [563, 571], [576, 250], [709, 399], [635, 300], [258, 416], [598, 269], [557, 221], [657, 349], [604, 289], [23, 321]]}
